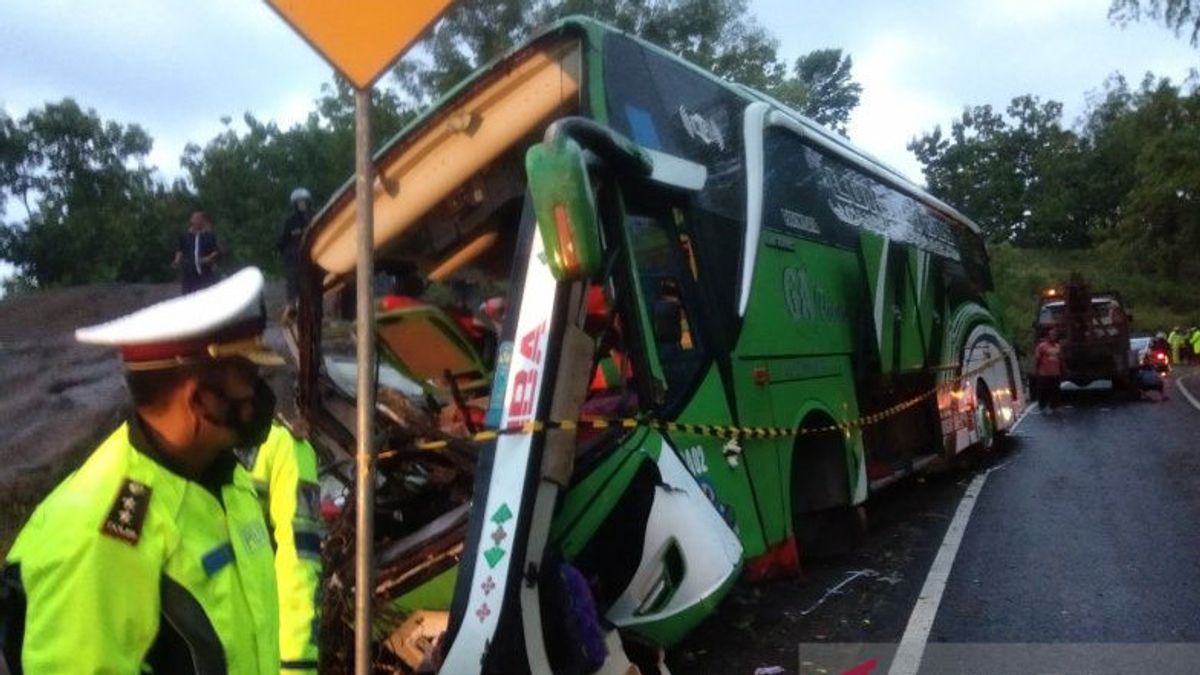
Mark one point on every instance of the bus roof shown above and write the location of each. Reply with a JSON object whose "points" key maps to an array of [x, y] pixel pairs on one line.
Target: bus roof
{"points": [[594, 30]]}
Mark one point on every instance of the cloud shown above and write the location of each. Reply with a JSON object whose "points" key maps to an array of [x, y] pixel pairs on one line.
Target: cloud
{"points": [[175, 68], [1003, 14], [893, 108]]}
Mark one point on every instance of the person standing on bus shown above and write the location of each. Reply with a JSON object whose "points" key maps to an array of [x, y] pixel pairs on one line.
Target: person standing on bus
{"points": [[1048, 369], [288, 244]]}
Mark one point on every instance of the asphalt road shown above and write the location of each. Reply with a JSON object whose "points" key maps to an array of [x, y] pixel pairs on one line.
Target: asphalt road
{"points": [[1090, 535], [1082, 554]]}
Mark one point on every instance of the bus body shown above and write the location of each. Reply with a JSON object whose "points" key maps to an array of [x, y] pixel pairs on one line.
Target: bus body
{"points": [[756, 273]]}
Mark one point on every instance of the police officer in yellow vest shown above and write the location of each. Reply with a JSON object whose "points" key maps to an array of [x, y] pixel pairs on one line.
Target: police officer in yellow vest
{"points": [[154, 556], [284, 469], [1175, 340]]}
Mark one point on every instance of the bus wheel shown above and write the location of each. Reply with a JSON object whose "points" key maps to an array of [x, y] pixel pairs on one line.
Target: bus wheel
{"points": [[824, 521], [987, 417]]}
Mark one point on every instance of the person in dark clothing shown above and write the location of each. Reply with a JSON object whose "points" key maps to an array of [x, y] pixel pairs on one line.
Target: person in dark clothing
{"points": [[197, 254], [288, 244]]}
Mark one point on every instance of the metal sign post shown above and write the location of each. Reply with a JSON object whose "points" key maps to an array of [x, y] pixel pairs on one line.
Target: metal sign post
{"points": [[364, 483], [361, 39]]}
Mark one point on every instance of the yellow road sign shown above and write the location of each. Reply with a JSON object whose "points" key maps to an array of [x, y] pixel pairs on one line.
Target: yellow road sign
{"points": [[360, 38]]}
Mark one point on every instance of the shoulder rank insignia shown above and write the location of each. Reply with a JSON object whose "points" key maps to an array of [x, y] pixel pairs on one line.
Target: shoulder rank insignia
{"points": [[128, 512]]}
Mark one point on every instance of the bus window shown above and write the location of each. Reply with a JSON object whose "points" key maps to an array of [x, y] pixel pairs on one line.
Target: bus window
{"points": [[662, 274], [667, 105]]}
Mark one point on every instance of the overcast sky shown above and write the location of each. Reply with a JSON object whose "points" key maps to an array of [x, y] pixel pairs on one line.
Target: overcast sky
{"points": [[177, 66]]}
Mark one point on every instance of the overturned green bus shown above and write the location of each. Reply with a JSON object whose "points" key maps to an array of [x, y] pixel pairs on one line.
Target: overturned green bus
{"points": [[706, 327]]}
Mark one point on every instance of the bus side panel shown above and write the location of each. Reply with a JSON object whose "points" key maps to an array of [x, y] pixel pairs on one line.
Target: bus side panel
{"points": [[794, 355], [760, 458], [807, 299], [829, 395], [725, 481]]}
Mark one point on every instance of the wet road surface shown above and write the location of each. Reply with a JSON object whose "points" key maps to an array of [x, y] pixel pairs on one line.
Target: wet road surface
{"points": [[1086, 531]]}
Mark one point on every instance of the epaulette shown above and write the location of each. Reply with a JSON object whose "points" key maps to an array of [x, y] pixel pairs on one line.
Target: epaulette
{"points": [[128, 512]]}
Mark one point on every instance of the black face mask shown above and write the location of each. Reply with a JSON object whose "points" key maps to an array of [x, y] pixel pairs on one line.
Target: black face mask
{"points": [[249, 432]]}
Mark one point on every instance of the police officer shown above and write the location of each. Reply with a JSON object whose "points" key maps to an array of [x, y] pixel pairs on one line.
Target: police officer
{"points": [[1175, 341], [154, 554], [284, 469]]}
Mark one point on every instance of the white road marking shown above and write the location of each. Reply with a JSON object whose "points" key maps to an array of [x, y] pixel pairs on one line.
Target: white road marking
{"points": [[916, 634], [1024, 414], [1187, 394]]}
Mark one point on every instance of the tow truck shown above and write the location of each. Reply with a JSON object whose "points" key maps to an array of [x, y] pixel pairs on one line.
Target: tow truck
{"points": [[1093, 328]]}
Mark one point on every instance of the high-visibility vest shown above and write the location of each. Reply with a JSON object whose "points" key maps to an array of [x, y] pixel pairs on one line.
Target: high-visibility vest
{"points": [[285, 475], [128, 566]]}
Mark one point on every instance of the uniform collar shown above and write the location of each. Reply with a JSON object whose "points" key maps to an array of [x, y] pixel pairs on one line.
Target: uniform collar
{"points": [[220, 473]]}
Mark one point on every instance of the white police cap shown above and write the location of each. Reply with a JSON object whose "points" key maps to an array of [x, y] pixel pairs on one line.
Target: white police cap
{"points": [[225, 320]]}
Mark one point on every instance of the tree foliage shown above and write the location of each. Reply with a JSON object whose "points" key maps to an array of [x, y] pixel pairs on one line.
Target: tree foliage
{"points": [[93, 209], [1015, 172], [1181, 16], [718, 35], [243, 178], [94, 212], [1155, 130], [829, 93], [1126, 180]]}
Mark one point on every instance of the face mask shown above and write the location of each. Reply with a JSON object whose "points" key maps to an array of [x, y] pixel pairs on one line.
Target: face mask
{"points": [[252, 431]]}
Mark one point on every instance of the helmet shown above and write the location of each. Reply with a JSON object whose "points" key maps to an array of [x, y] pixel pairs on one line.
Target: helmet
{"points": [[300, 194]]}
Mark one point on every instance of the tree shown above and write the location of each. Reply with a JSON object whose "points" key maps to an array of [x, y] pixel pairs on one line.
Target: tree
{"points": [[825, 91], [1153, 133], [718, 35], [243, 179], [1178, 15], [1015, 173], [91, 205]]}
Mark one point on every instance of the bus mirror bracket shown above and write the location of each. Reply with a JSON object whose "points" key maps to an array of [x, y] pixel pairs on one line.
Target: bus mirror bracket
{"points": [[628, 157]]}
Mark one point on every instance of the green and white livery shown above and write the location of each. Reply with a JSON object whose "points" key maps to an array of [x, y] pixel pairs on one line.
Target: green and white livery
{"points": [[591, 230]]}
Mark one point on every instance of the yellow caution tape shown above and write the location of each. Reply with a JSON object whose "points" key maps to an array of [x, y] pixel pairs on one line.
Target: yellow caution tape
{"points": [[719, 431]]}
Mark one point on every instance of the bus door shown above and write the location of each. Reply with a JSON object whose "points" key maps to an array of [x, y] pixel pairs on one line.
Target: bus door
{"points": [[925, 271], [903, 301], [683, 353], [883, 267]]}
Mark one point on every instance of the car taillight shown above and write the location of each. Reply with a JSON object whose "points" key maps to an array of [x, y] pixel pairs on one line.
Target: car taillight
{"points": [[1161, 357]]}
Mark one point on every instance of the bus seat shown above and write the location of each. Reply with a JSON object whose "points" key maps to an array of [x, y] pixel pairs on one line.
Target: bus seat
{"points": [[424, 342]]}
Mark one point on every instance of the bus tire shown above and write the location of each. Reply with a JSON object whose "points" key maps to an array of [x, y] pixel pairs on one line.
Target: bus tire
{"points": [[987, 432], [824, 522]]}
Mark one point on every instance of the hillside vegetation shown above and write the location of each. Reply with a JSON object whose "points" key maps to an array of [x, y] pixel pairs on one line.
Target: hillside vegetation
{"points": [[1020, 274]]}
